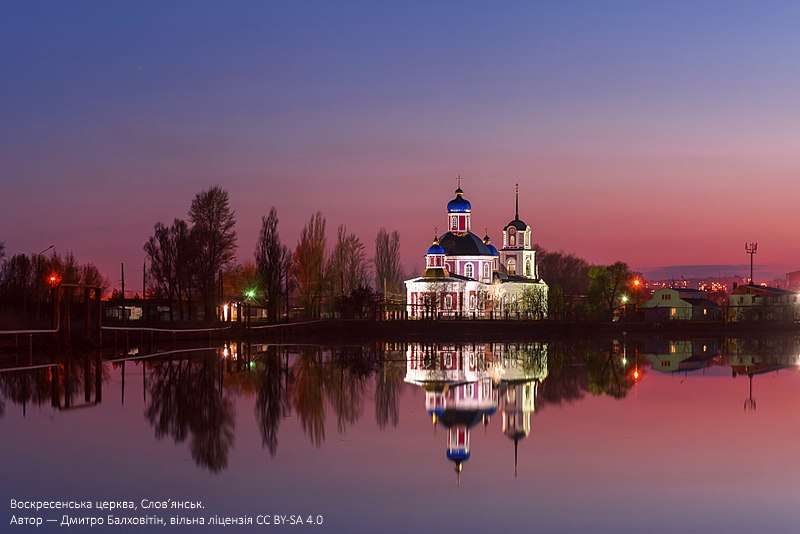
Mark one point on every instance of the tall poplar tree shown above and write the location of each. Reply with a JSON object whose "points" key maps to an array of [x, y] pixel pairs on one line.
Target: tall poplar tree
{"points": [[308, 264], [214, 236], [272, 262]]}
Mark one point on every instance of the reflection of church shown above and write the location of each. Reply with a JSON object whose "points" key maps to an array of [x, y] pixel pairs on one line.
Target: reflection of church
{"points": [[467, 275], [465, 386]]}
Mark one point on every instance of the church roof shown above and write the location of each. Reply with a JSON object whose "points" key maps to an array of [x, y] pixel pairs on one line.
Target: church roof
{"points": [[467, 244], [459, 204], [458, 455], [505, 277], [488, 243], [468, 418], [516, 223], [436, 248]]}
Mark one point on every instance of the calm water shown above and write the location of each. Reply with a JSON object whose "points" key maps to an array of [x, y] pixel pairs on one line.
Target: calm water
{"points": [[613, 435]]}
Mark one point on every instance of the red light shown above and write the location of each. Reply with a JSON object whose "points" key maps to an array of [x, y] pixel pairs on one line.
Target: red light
{"points": [[635, 374], [637, 282]]}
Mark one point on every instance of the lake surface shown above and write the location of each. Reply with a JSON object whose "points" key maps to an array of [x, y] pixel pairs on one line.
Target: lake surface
{"points": [[602, 436]]}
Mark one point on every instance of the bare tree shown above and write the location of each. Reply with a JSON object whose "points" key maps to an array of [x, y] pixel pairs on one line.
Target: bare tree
{"points": [[348, 267], [214, 235], [388, 271], [272, 261], [308, 264], [170, 250], [160, 248]]}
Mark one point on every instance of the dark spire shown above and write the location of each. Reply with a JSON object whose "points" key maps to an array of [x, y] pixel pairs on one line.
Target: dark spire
{"points": [[516, 205]]}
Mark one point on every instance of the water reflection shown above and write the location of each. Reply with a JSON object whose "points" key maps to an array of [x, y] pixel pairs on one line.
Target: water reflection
{"points": [[191, 397], [57, 384], [466, 384], [186, 401]]}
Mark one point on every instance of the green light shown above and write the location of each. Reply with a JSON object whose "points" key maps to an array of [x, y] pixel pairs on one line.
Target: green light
{"points": [[250, 293]]}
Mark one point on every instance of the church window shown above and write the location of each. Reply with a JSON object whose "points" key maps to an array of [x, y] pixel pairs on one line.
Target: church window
{"points": [[448, 302], [454, 223], [528, 268], [486, 270], [472, 302], [468, 270], [512, 266], [512, 238]]}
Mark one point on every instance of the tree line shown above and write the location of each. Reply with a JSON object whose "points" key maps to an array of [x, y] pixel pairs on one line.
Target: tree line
{"points": [[26, 281], [580, 290], [194, 261]]}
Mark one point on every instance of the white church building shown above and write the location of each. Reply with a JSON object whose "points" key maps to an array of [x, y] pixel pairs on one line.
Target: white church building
{"points": [[467, 276]]}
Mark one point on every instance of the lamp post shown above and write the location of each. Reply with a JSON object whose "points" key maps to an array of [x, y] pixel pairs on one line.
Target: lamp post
{"points": [[637, 285], [39, 280]]}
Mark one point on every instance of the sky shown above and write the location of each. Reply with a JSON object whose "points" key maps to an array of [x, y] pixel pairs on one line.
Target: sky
{"points": [[651, 133]]}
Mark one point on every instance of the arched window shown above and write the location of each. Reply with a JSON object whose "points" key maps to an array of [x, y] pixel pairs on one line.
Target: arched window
{"points": [[528, 268], [468, 270], [454, 224], [486, 270], [472, 302], [512, 266], [512, 237], [448, 302]]}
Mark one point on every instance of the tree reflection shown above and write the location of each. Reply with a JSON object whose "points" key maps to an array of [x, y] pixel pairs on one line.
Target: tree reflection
{"points": [[59, 384], [388, 388], [307, 393], [340, 380], [185, 403], [272, 403], [346, 381]]}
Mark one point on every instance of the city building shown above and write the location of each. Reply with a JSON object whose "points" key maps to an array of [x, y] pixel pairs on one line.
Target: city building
{"points": [[763, 303], [680, 304], [466, 276]]}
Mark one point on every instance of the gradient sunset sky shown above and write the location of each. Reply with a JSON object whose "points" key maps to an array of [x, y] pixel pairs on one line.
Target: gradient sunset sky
{"points": [[654, 133]]}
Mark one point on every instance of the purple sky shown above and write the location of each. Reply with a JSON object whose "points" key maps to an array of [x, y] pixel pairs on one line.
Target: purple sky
{"points": [[658, 135]]}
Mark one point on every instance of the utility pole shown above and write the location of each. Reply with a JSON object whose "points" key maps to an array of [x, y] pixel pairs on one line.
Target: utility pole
{"points": [[751, 248], [144, 289], [122, 296]]}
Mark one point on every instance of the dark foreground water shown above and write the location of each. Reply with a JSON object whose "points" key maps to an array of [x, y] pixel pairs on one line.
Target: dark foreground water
{"points": [[612, 436]]}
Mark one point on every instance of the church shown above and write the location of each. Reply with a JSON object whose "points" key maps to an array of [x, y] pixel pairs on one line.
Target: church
{"points": [[466, 276]]}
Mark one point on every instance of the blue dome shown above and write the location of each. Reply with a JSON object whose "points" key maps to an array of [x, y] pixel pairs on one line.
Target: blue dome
{"points": [[458, 455], [459, 204], [436, 248], [492, 249]]}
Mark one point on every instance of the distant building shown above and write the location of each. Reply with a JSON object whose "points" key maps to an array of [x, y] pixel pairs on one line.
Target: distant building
{"points": [[677, 355], [763, 303], [793, 281], [467, 276], [680, 304]]}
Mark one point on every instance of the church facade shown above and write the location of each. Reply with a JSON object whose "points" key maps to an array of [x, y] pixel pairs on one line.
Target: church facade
{"points": [[466, 276]]}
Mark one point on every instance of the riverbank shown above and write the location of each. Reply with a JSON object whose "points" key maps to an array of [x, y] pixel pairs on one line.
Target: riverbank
{"points": [[345, 330]]}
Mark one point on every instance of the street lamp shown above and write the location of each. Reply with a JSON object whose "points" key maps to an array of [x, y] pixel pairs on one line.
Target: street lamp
{"points": [[637, 285], [39, 279]]}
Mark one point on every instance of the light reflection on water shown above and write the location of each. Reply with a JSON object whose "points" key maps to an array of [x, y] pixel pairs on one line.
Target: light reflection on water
{"points": [[578, 423]]}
